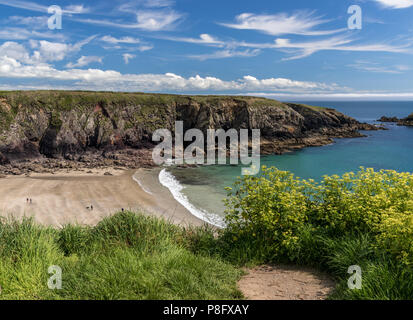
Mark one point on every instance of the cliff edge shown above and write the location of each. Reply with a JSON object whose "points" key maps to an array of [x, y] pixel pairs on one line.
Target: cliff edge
{"points": [[43, 129]]}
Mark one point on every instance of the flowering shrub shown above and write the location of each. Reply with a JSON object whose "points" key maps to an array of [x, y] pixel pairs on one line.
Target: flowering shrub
{"points": [[276, 207]]}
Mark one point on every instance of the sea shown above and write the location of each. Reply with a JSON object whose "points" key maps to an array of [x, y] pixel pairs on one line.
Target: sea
{"points": [[202, 189]]}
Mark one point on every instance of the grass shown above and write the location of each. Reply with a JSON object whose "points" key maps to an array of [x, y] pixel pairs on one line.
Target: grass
{"points": [[132, 256], [126, 256]]}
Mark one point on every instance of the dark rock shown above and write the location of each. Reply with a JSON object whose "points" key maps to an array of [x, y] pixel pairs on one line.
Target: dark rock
{"points": [[388, 119], [3, 159], [408, 121]]}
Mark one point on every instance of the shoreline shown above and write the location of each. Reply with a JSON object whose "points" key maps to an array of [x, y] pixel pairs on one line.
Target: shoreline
{"points": [[66, 197]]}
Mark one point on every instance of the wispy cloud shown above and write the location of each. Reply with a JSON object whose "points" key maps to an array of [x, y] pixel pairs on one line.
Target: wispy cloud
{"points": [[300, 23], [32, 6], [295, 49], [113, 40], [147, 20], [14, 33], [396, 4], [84, 61], [127, 57], [222, 54], [298, 50], [117, 42], [369, 66], [204, 39]]}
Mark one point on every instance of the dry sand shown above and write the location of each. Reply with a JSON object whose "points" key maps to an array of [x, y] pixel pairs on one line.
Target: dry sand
{"points": [[64, 197]]}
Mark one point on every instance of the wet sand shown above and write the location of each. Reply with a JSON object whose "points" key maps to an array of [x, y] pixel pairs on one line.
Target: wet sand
{"points": [[66, 197]]}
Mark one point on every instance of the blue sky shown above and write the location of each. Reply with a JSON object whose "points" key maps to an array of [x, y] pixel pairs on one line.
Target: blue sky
{"points": [[295, 49]]}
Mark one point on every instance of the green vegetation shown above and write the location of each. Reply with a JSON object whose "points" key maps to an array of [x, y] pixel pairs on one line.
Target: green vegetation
{"points": [[136, 110], [126, 256], [67, 100], [363, 219]]}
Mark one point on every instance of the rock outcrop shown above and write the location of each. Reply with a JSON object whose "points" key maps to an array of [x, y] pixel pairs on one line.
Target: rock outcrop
{"points": [[408, 121], [109, 128]]}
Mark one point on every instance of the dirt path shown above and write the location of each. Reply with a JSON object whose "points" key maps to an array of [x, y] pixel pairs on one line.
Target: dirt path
{"points": [[285, 283]]}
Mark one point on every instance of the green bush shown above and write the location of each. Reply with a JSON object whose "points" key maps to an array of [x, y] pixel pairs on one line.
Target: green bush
{"points": [[281, 211]]}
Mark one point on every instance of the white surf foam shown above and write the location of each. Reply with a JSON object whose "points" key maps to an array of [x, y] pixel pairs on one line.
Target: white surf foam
{"points": [[170, 182], [141, 185]]}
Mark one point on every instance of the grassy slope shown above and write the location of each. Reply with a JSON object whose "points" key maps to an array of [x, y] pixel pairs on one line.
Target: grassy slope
{"points": [[126, 256], [131, 256]]}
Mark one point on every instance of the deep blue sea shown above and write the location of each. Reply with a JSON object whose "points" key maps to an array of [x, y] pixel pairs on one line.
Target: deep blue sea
{"points": [[204, 186]]}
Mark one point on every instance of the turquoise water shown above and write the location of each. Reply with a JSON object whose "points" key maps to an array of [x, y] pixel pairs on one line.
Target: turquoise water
{"points": [[392, 149]]}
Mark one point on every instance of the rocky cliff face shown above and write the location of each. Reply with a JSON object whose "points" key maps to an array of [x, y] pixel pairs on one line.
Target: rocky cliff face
{"points": [[71, 125]]}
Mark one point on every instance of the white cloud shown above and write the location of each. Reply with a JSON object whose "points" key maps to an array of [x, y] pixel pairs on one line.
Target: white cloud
{"points": [[128, 40], [78, 8], [298, 50], [301, 23], [147, 20], [144, 48], [84, 61], [225, 54], [96, 79], [42, 51], [32, 6], [204, 39], [127, 57], [396, 4], [54, 51], [157, 20], [14, 33], [16, 51], [369, 66], [39, 22], [350, 96]]}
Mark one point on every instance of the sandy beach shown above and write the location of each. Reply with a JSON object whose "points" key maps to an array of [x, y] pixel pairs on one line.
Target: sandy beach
{"points": [[66, 197]]}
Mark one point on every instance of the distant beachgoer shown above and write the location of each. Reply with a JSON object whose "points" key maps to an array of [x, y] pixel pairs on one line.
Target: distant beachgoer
{"points": [[27, 200], [91, 208], [30, 201], [123, 210]]}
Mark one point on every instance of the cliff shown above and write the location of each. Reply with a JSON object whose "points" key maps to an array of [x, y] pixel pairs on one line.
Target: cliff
{"points": [[116, 128]]}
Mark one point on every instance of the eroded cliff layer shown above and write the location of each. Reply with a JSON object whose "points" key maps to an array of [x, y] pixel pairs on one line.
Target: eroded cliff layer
{"points": [[71, 125]]}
